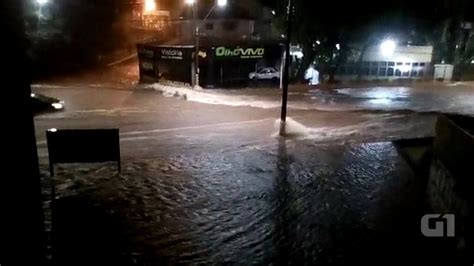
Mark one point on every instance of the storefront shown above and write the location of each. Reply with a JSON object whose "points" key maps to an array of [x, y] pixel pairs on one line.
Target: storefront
{"points": [[165, 63], [220, 65]]}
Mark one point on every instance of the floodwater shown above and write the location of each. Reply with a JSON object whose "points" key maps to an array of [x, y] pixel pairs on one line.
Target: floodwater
{"points": [[218, 188], [438, 99], [288, 203]]}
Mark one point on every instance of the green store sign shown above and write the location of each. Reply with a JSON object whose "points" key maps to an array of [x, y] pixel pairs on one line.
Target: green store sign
{"points": [[243, 53]]}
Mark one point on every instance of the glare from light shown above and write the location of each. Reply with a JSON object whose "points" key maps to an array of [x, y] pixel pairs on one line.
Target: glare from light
{"points": [[381, 101], [57, 106], [387, 47], [190, 2], [150, 5], [298, 54], [53, 130], [33, 95], [42, 2], [221, 3]]}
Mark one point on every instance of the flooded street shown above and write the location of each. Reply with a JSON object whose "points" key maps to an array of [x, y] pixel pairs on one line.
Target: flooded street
{"points": [[206, 181], [287, 203]]}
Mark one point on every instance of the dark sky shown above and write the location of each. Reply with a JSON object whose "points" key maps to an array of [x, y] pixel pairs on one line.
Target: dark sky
{"points": [[422, 9], [354, 9]]}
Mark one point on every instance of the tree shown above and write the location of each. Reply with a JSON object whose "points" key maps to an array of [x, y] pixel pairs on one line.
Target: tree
{"points": [[356, 25]]}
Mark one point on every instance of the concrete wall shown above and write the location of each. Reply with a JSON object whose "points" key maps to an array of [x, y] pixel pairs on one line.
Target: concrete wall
{"points": [[451, 181]]}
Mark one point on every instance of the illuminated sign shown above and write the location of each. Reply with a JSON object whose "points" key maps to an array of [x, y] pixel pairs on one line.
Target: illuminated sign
{"points": [[243, 53], [172, 54]]}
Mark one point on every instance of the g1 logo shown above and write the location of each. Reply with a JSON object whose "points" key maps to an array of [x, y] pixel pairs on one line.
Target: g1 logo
{"points": [[437, 225]]}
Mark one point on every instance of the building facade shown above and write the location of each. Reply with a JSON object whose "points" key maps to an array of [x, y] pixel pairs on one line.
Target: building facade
{"points": [[406, 62]]}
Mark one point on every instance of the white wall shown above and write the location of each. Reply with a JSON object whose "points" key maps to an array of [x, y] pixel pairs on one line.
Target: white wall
{"points": [[401, 54]]}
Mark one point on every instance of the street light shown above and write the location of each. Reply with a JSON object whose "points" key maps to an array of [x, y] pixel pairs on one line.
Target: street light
{"points": [[150, 6], [387, 47], [194, 3], [221, 3]]}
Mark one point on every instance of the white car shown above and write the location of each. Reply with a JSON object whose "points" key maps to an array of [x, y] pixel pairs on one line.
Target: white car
{"points": [[266, 73]]}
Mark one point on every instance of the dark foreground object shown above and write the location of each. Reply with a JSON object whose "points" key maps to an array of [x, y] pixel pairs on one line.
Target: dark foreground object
{"points": [[445, 164], [83, 146]]}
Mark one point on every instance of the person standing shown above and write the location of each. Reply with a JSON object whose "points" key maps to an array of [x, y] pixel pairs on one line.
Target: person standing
{"points": [[312, 75]]}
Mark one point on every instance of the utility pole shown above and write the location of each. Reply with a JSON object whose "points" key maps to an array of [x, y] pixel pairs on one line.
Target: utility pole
{"points": [[284, 95], [196, 52]]}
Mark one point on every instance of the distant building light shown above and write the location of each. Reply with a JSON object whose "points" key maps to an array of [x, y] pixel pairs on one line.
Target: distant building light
{"points": [[33, 95], [318, 42], [338, 46], [52, 130], [273, 12], [387, 48], [150, 5], [221, 3]]}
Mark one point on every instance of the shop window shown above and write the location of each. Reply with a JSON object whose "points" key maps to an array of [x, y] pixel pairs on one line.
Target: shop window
{"points": [[209, 26], [406, 69], [229, 25], [374, 67], [382, 69], [398, 71], [391, 69]]}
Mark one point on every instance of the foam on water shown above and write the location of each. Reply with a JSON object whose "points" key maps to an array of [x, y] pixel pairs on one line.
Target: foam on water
{"points": [[208, 97]]}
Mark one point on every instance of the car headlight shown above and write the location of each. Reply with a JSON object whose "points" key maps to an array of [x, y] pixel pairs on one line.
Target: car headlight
{"points": [[57, 106]]}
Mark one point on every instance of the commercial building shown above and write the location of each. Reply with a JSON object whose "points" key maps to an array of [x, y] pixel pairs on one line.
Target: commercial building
{"points": [[406, 62], [221, 64], [232, 44]]}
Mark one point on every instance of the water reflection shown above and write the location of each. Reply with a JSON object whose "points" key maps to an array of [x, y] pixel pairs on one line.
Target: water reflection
{"points": [[288, 203]]}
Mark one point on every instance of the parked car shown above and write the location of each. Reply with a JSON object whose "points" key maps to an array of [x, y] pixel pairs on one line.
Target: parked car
{"points": [[41, 104], [266, 73]]}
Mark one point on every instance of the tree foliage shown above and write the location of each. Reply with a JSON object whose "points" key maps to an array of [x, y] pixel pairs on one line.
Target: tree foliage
{"points": [[355, 25]]}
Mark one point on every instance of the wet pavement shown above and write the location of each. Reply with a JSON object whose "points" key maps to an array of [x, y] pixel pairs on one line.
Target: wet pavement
{"points": [[289, 203]]}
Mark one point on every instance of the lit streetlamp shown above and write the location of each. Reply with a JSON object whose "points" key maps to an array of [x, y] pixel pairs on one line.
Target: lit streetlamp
{"points": [[387, 47], [194, 3], [150, 6], [41, 3]]}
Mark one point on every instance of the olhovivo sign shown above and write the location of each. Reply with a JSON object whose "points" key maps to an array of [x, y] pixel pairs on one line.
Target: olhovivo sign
{"points": [[223, 52]]}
